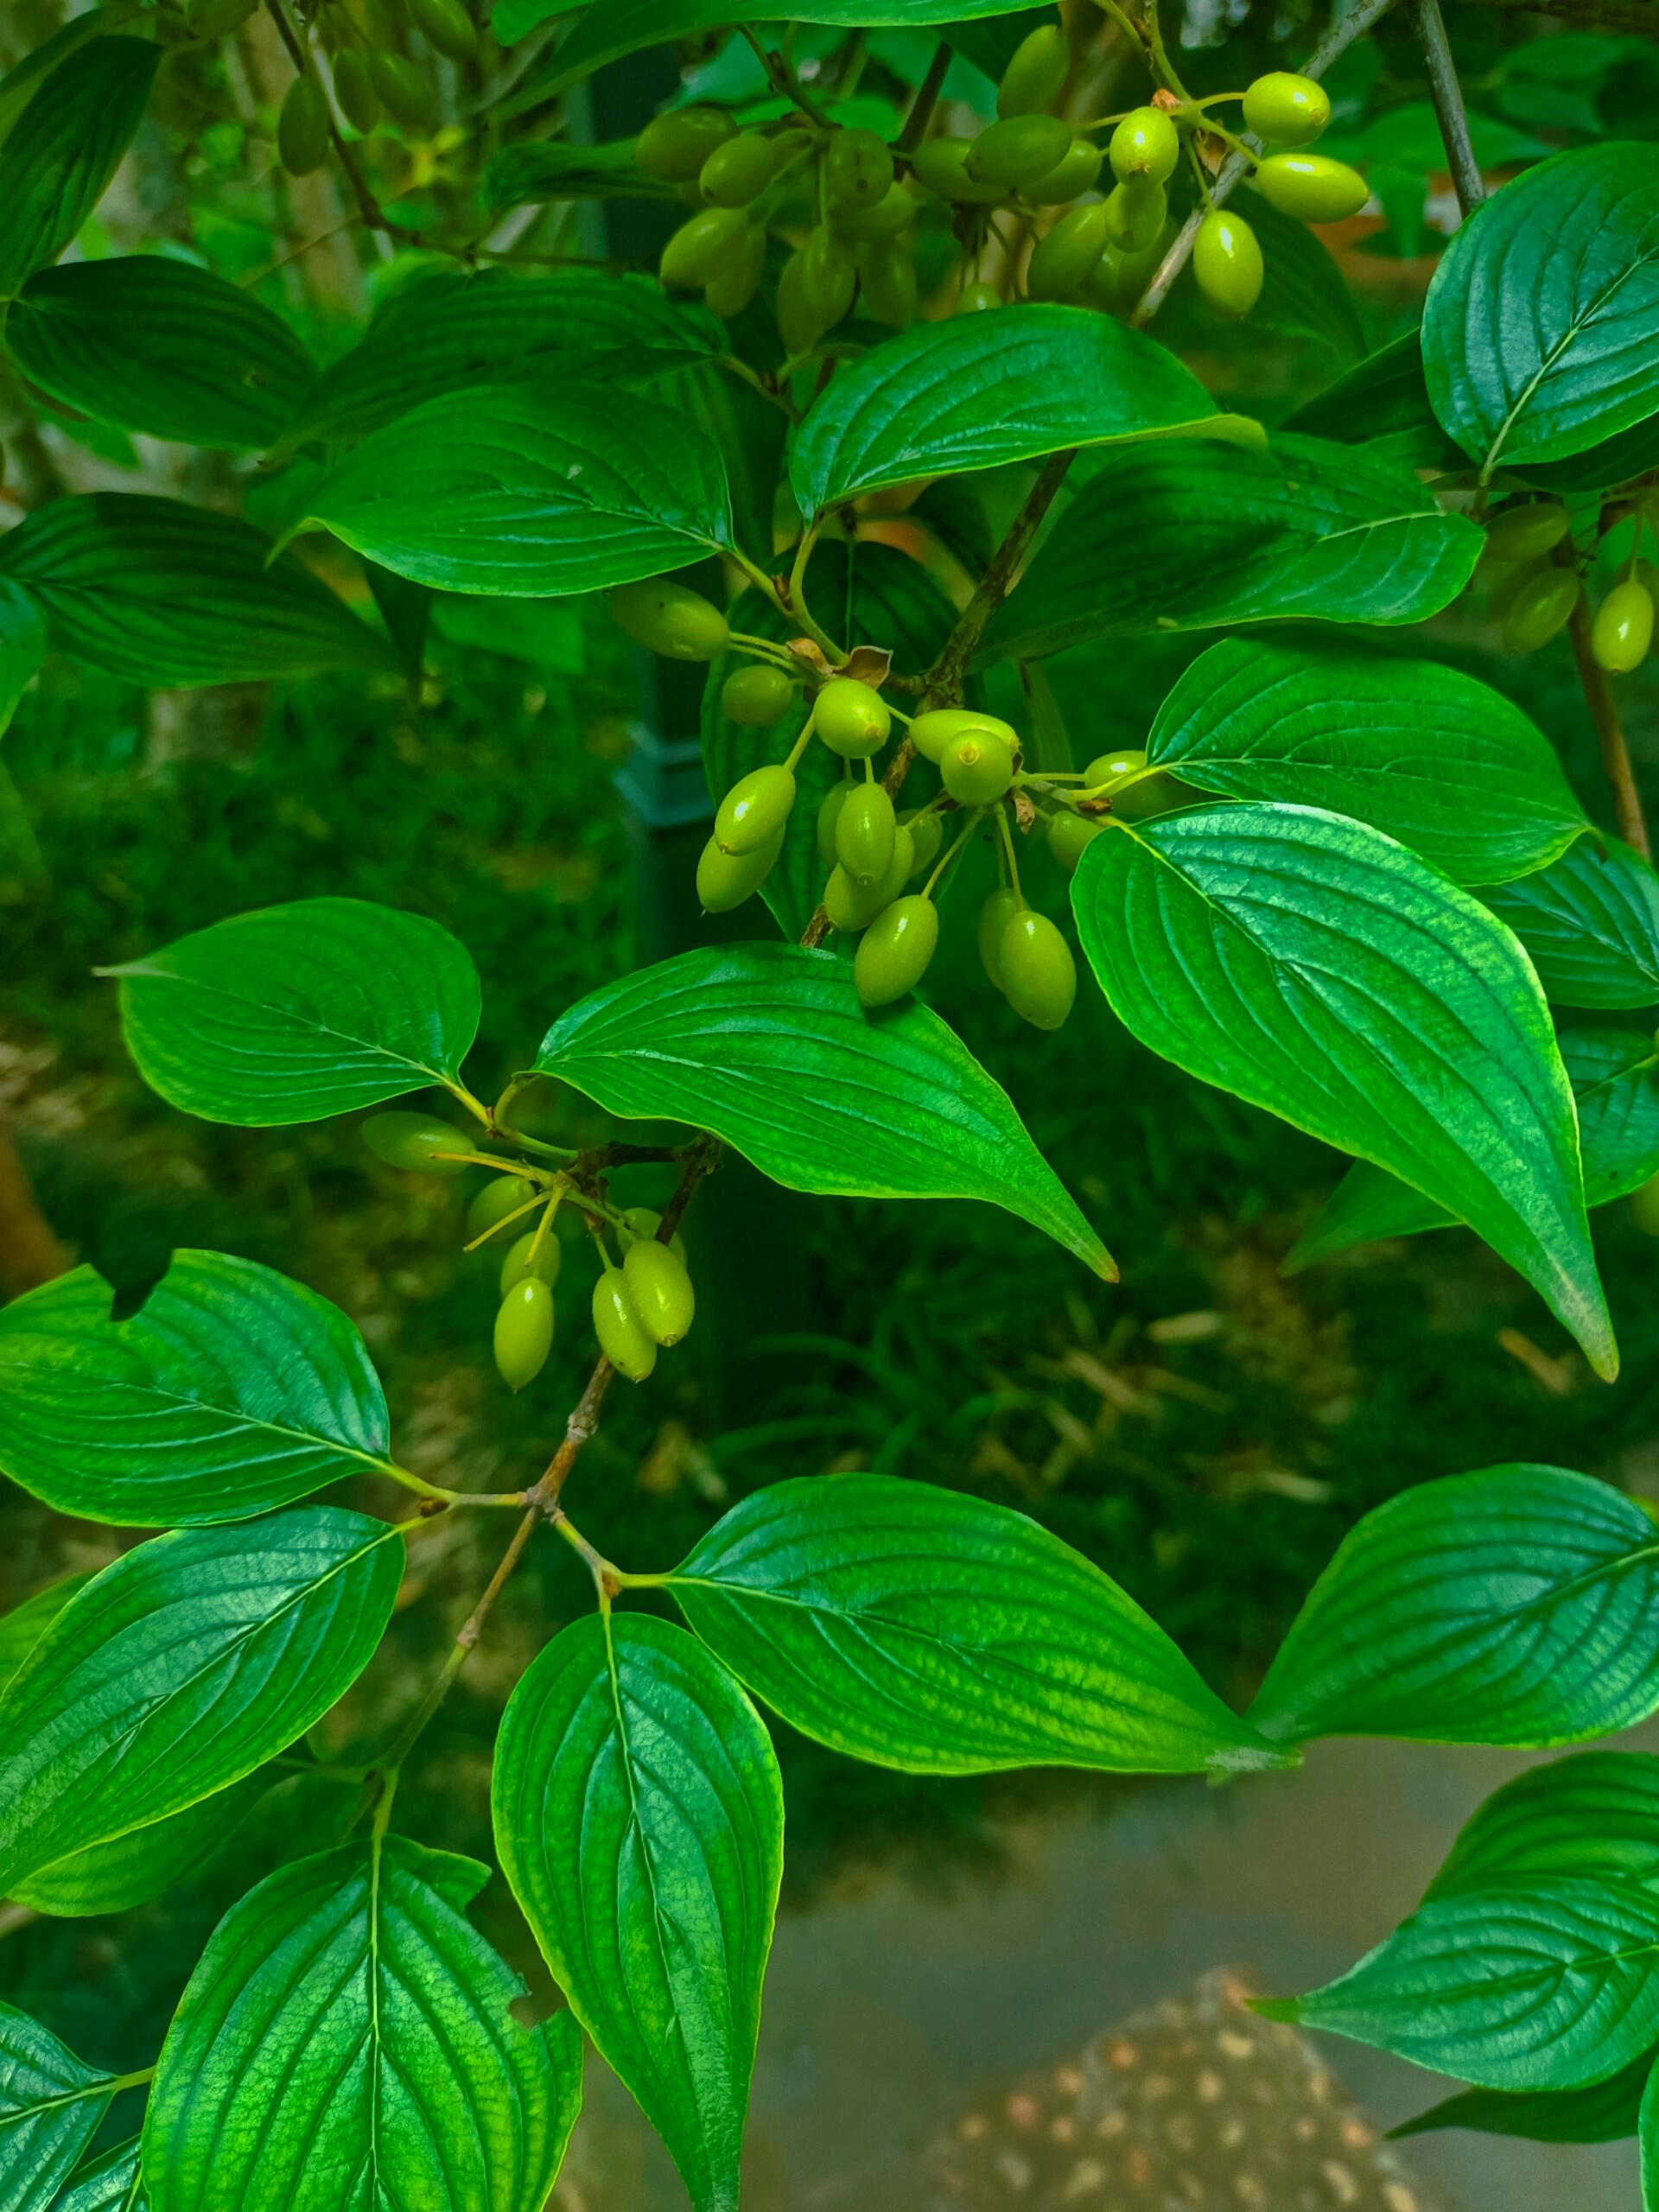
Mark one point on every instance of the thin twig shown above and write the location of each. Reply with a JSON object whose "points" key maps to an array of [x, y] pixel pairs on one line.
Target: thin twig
{"points": [[1450, 112], [1610, 734], [926, 99], [368, 206]]}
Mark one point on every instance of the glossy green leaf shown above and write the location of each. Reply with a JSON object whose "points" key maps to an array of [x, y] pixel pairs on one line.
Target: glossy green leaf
{"points": [[160, 346], [867, 592], [22, 1629], [979, 390], [1604, 2113], [291, 1014], [165, 594], [537, 170], [22, 646], [1589, 924], [446, 333], [109, 2183], [1192, 538], [1615, 1078], [231, 1390], [1383, 403], [1311, 965], [19, 84], [767, 1046], [925, 1630], [614, 28], [1594, 1817], [145, 1863], [1648, 2127], [1517, 1605], [640, 1819], [1540, 1985], [1437, 761], [51, 2106], [1538, 327], [1303, 291], [58, 155], [181, 1667], [530, 493], [347, 2044]]}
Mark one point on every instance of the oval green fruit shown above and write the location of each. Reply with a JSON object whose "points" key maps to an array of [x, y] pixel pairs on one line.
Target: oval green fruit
{"points": [[926, 836], [1523, 533], [1039, 977], [977, 768], [852, 906], [1286, 110], [303, 128], [1036, 75], [893, 952], [500, 1195], [798, 325], [644, 1222], [676, 145], [1312, 187], [1227, 261], [1511, 581], [865, 831], [887, 282], [410, 1140], [621, 1334], [755, 696], [889, 218], [851, 719], [738, 171], [857, 168], [1623, 631], [1144, 144], [447, 26], [1072, 176], [1541, 608], [725, 880], [1017, 150], [1068, 837], [1135, 213], [998, 911], [931, 733], [523, 1332], [697, 249], [828, 814], [829, 276], [1063, 257], [974, 299], [401, 88], [1112, 767], [737, 278], [515, 1267], [941, 165], [659, 1290], [354, 89], [669, 618], [755, 810]]}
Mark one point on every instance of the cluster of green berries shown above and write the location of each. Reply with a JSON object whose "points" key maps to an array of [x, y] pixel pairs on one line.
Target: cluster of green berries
{"points": [[848, 204], [1535, 585], [642, 1303]]}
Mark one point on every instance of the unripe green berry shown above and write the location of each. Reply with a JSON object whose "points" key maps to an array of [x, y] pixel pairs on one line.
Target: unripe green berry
{"points": [[736, 172], [1017, 150], [887, 282], [1312, 187], [941, 165], [303, 128], [977, 768], [676, 146], [1286, 110], [401, 88], [516, 1267], [409, 1141], [500, 1195], [857, 168], [1036, 75], [998, 911], [1112, 767], [523, 1332], [699, 247], [725, 880], [974, 299], [1039, 977], [1068, 837], [1523, 533], [659, 1289], [1073, 175], [641, 1224], [828, 814], [851, 719], [829, 276], [893, 952], [931, 733], [1064, 257], [1135, 213], [852, 906], [755, 810], [926, 835], [622, 1335], [797, 324], [1227, 261], [737, 278], [1541, 609], [1144, 144], [669, 618], [891, 216], [865, 832], [354, 89], [1511, 582], [1622, 630], [447, 26], [755, 696]]}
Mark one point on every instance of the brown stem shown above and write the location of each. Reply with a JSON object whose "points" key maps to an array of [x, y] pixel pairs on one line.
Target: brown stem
{"points": [[1449, 110], [1637, 16], [368, 206], [926, 99], [1610, 734]]}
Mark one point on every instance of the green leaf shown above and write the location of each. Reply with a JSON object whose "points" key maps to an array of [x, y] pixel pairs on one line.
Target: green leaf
{"points": [[291, 1014], [767, 1046], [22, 1629], [1432, 757], [1303, 291], [156, 346], [640, 1819], [1512, 1606], [58, 155], [1593, 1818], [1383, 403], [1543, 1985], [108, 2184], [1192, 537], [1604, 2113], [1589, 924], [180, 1669], [19, 86], [50, 2109], [1311, 965], [530, 493], [979, 390], [924, 1630], [1612, 1073], [23, 647], [231, 1390], [444, 334], [1538, 327], [164, 595], [551, 169], [864, 591], [347, 2043], [1615, 461], [131, 1869], [614, 28]]}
